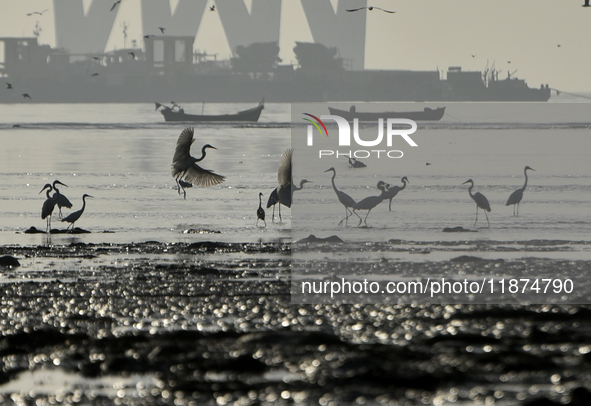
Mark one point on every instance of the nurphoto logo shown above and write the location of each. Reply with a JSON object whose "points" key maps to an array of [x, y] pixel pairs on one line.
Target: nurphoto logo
{"points": [[394, 127]]}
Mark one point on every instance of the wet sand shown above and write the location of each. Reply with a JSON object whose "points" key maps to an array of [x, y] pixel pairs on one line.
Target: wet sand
{"points": [[212, 323]]}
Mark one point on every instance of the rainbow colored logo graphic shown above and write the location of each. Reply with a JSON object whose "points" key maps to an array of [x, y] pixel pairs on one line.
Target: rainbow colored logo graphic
{"points": [[316, 125]]}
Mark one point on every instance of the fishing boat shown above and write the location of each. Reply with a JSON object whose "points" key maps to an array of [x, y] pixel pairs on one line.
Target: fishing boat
{"points": [[177, 113], [425, 114]]}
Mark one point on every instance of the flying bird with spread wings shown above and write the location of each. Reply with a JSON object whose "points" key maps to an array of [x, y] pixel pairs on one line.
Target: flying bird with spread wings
{"points": [[370, 8]]}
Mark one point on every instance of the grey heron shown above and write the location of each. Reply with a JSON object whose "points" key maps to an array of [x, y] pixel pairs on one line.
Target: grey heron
{"points": [[355, 163], [60, 200], [393, 191], [480, 200], [347, 201], [370, 202], [261, 211], [73, 217], [48, 206], [184, 166], [516, 196]]}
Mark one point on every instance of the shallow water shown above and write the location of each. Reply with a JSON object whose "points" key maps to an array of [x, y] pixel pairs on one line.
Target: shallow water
{"points": [[144, 309]]}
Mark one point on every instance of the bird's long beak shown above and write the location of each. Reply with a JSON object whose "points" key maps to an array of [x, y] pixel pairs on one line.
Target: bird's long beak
{"points": [[466, 182], [60, 183]]}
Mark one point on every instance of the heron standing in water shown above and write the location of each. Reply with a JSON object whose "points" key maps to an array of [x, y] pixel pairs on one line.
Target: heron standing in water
{"points": [[370, 202], [480, 200], [344, 198], [184, 166], [73, 217], [286, 186], [48, 206], [516, 196], [60, 200], [261, 211], [393, 191]]}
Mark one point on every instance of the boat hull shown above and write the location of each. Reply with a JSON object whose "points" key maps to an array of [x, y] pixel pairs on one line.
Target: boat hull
{"points": [[251, 115], [426, 114]]}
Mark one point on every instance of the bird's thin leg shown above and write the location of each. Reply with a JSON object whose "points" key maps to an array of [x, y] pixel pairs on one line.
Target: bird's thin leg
{"points": [[360, 219], [265, 223], [365, 221], [475, 221], [517, 209], [273, 216], [60, 212], [346, 216], [178, 186], [390, 205], [279, 212], [487, 219]]}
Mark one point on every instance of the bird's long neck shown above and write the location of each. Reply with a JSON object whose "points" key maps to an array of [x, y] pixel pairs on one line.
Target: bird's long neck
{"points": [[525, 184], [56, 190], [83, 204], [404, 184], [470, 190], [203, 153], [260, 202], [334, 174], [298, 188], [47, 193]]}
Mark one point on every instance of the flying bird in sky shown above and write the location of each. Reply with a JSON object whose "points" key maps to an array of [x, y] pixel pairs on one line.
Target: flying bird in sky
{"points": [[9, 85], [114, 5], [26, 96], [162, 29], [370, 8], [94, 74], [38, 12]]}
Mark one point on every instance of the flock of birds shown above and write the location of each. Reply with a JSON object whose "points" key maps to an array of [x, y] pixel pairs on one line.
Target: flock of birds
{"points": [[59, 200], [186, 172]]}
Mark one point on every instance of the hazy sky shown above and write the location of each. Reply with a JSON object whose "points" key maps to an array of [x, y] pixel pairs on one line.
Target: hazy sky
{"points": [[422, 35]]}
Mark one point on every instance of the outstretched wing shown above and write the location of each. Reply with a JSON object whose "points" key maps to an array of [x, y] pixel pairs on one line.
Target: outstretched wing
{"points": [[355, 9], [387, 11], [284, 171], [182, 157], [202, 177]]}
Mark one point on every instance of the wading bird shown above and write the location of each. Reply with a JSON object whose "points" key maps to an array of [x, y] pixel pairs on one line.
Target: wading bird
{"points": [[261, 211], [286, 186], [60, 200], [48, 206], [272, 201], [184, 166], [354, 163], [212, 8], [480, 201], [517, 195], [344, 198], [370, 8], [586, 4], [73, 217], [370, 202], [393, 191]]}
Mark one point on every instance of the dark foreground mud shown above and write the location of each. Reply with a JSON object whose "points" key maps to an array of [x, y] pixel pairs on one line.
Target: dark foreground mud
{"points": [[212, 323]]}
